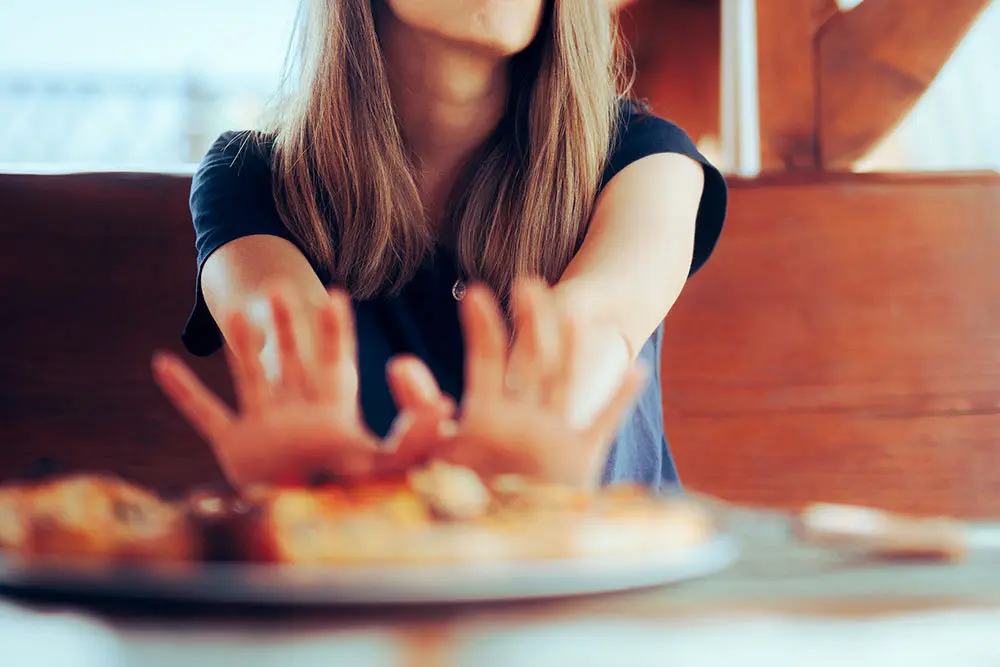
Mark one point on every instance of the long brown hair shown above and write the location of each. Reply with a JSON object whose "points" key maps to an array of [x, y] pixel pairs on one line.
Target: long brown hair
{"points": [[345, 182]]}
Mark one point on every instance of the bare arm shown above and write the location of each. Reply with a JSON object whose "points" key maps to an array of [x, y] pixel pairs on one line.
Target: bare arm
{"points": [[240, 274], [632, 266], [638, 251]]}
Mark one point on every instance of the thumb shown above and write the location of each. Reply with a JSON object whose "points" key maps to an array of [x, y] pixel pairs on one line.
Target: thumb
{"points": [[414, 388], [602, 430]]}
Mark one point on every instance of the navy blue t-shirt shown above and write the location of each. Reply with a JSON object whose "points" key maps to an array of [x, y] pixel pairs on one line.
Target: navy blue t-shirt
{"points": [[231, 197]]}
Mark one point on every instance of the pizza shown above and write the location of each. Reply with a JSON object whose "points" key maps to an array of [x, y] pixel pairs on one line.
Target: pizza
{"points": [[437, 514], [99, 517]]}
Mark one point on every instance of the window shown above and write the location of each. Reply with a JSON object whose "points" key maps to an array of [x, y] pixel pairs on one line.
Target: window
{"points": [[112, 84]]}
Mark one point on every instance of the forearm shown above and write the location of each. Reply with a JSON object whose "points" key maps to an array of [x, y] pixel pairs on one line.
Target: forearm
{"points": [[631, 267], [616, 327], [241, 276], [636, 257]]}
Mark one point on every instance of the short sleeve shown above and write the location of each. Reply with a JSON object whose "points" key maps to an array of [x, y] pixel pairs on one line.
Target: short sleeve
{"points": [[642, 134], [231, 197]]}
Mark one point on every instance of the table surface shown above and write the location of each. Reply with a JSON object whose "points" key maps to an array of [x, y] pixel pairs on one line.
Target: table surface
{"points": [[814, 604]]}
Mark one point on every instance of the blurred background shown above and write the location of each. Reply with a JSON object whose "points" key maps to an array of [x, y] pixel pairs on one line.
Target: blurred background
{"points": [[117, 85], [842, 345], [112, 84]]}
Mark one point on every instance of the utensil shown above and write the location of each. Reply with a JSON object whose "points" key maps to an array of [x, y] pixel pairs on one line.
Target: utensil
{"points": [[892, 535]]}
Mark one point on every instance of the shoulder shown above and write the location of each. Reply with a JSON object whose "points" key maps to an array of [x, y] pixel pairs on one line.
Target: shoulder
{"points": [[232, 156], [232, 193], [244, 146], [234, 175], [639, 134], [231, 198]]}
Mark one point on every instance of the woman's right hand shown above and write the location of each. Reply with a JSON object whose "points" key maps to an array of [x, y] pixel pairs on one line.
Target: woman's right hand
{"points": [[306, 422]]}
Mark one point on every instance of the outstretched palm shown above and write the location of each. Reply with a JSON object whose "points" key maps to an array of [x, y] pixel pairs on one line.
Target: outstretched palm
{"points": [[306, 422], [522, 427]]}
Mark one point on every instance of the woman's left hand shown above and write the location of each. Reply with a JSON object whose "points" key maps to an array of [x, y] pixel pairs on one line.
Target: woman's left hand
{"points": [[521, 426], [310, 420]]}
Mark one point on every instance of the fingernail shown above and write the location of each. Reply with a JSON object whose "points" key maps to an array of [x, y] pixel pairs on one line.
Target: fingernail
{"points": [[448, 406], [160, 359], [424, 379], [401, 423], [447, 429], [512, 382]]}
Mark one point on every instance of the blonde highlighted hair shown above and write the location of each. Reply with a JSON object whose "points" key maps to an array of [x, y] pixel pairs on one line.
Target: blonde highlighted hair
{"points": [[345, 181]]}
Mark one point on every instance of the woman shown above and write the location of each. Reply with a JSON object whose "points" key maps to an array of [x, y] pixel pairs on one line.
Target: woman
{"points": [[422, 146]]}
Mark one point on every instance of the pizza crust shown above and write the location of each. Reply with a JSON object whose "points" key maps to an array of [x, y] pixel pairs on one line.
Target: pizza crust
{"points": [[13, 519], [96, 517], [445, 514], [437, 514]]}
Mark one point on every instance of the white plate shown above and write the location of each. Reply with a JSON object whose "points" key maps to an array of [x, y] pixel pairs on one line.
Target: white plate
{"points": [[301, 585]]}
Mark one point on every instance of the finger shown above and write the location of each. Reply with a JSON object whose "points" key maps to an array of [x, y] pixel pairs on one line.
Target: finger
{"points": [[200, 406], [346, 338], [243, 355], [401, 426], [327, 331], [416, 442], [525, 366], [607, 422], [485, 344], [448, 406], [414, 387], [337, 347], [548, 335], [294, 379], [561, 381]]}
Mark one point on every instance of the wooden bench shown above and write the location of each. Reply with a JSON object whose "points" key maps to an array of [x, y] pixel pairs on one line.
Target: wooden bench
{"points": [[841, 345]]}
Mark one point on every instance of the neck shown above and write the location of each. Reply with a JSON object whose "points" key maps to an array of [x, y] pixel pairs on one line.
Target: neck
{"points": [[448, 100]]}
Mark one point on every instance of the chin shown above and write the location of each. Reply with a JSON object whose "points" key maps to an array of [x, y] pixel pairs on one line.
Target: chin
{"points": [[499, 27], [505, 31]]}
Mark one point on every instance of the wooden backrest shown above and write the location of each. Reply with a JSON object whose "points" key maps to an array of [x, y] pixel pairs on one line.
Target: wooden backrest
{"points": [[844, 344], [841, 345], [97, 272]]}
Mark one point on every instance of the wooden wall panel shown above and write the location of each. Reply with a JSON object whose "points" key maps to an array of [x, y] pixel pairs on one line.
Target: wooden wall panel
{"points": [[676, 47], [842, 345], [787, 83], [97, 272]]}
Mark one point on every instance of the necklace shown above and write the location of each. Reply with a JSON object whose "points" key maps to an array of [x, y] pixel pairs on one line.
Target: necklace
{"points": [[458, 290]]}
